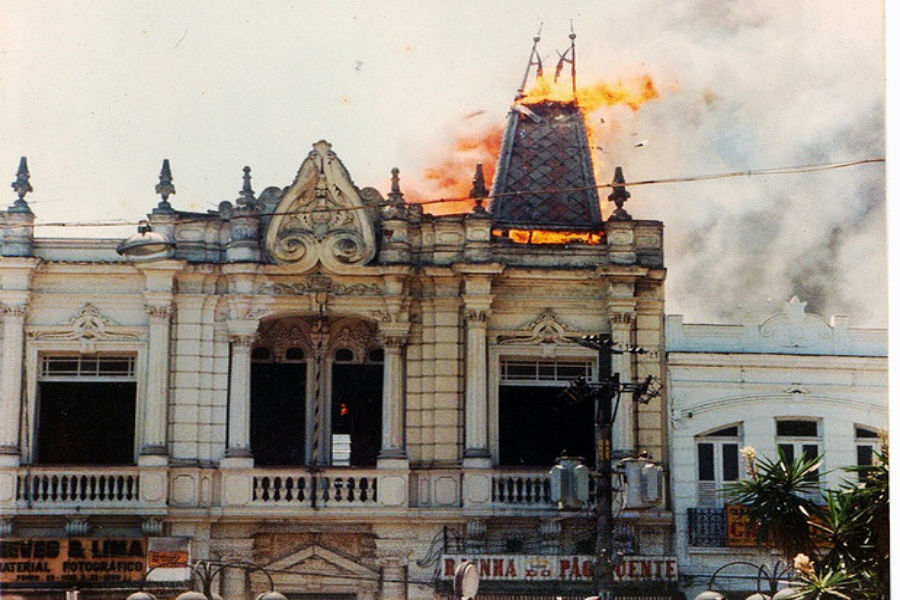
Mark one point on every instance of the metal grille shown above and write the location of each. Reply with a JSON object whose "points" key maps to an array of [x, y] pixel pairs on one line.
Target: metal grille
{"points": [[87, 366], [525, 370], [706, 527]]}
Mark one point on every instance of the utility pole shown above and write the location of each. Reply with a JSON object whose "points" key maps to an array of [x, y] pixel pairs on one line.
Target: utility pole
{"points": [[606, 394]]}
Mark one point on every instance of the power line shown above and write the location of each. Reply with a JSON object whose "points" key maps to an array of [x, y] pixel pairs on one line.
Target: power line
{"points": [[811, 168]]}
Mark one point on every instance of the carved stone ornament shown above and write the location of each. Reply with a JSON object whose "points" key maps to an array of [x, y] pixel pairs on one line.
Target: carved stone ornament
{"points": [[285, 334], [321, 218], [545, 329], [318, 283], [88, 327], [352, 334]]}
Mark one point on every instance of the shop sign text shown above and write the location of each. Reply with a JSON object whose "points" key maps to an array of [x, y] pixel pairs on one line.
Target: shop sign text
{"points": [[536, 567]]}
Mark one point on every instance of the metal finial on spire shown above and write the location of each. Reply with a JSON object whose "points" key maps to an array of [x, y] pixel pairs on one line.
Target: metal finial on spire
{"points": [[619, 195], [564, 58], [479, 191], [246, 197], [165, 188], [533, 59], [395, 196], [22, 185]]}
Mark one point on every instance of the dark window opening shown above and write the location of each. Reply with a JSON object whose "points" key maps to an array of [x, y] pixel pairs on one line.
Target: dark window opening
{"points": [[86, 422], [294, 354], [705, 462], [261, 354], [729, 462], [343, 355], [797, 428], [536, 426], [355, 412], [861, 432], [724, 432], [277, 413]]}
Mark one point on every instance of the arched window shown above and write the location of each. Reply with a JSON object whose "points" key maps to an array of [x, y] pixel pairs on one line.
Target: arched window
{"points": [[718, 462], [278, 407]]}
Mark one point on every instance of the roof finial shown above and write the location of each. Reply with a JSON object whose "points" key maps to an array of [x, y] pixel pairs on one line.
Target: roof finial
{"points": [[479, 191], [246, 197], [22, 185], [395, 196], [619, 195], [164, 188], [563, 59], [533, 59]]}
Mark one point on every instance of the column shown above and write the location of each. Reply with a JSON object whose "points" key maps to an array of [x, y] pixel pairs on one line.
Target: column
{"points": [[393, 578], [393, 438], [156, 401], [476, 453], [623, 427], [13, 315], [239, 394]]}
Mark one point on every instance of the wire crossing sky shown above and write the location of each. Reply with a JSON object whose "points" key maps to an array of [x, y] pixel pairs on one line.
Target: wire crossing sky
{"points": [[97, 93]]}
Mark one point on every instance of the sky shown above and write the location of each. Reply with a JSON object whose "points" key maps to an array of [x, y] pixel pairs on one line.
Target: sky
{"points": [[97, 93]]}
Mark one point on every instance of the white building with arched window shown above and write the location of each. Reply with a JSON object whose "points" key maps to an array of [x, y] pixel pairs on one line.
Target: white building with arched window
{"points": [[795, 382]]}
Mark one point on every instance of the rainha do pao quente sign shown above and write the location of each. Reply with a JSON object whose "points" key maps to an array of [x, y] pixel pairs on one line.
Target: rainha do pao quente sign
{"points": [[84, 560], [539, 567]]}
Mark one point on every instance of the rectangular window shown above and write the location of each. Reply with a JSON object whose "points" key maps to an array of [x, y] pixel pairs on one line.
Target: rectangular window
{"points": [[798, 438], [86, 409], [866, 441], [717, 463], [537, 421]]}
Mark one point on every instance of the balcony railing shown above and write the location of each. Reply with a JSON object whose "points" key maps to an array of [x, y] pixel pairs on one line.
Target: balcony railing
{"points": [[92, 487], [706, 527], [522, 488], [329, 488]]}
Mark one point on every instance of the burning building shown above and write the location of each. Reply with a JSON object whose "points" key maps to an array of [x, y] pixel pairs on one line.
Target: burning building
{"points": [[325, 381]]}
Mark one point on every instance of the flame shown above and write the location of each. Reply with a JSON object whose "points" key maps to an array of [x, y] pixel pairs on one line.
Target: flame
{"points": [[451, 176], [541, 236], [631, 93]]}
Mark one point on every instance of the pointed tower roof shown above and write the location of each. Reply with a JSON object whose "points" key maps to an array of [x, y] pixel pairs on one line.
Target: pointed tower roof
{"points": [[545, 177]]}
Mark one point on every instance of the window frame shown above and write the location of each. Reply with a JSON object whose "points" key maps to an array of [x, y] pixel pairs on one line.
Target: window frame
{"points": [[497, 353], [36, 349], [718, 442], [798, 441], [872, 442]]}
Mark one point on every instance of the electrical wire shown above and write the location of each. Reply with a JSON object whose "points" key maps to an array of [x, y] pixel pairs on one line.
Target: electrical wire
{"points": [[811, 168]]}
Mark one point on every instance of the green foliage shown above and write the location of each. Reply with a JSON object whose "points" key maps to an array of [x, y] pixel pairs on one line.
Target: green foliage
{"points": [[776, 497], [847, 535]]}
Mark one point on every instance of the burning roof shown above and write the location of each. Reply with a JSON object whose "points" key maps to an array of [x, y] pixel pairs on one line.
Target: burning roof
{"points": [[545, 178]]}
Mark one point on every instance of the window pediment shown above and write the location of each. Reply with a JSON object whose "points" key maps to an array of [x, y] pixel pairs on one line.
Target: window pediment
{"points": [[87, 328]]}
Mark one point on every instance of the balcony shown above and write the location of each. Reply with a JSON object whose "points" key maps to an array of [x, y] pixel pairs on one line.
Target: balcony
{"points": [[346, 488], [104, 489], [706, 527]]}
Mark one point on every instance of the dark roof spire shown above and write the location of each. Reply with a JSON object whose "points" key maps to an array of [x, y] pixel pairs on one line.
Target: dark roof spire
{"points": [[246, 197], [164, 188], [21, 186], [479, 192], [619, 195]]}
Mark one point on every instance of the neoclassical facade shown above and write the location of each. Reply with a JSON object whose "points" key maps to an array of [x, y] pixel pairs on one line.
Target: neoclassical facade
{"points": [[795, 382], [328, 383]]}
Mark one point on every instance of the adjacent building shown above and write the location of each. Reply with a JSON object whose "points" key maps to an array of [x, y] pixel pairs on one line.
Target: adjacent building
{"points": [[323, 381], [795, 383]]}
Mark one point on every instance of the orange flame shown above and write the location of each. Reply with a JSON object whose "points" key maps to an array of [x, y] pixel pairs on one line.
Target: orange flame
{"points": [[631, 93], [451, 175], [541, 236]]}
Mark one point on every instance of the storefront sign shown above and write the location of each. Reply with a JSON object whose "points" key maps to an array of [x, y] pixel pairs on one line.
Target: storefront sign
{"points": [[51, 560], [739, 530], [536, 567]]}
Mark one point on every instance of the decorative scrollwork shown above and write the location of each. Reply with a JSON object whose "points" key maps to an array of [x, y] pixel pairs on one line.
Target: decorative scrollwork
{"points": [[321, 217]]}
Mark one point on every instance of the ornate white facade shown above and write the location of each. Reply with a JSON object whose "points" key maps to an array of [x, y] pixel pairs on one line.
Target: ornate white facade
{"points": [[795, 382], [394, 343]]}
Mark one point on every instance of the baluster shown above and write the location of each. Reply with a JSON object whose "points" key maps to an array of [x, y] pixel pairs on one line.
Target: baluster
{"points": [[276, 489], [64, 488], [374, 489], [301, 488], [265, 489]]}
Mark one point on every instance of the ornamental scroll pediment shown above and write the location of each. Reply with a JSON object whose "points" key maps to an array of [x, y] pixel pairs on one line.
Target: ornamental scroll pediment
{"points": [[545, 329], [87, 328], [318, 283], [321, 218]]}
